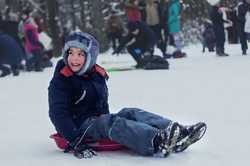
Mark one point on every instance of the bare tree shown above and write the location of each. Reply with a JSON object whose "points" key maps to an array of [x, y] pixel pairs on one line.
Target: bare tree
{"points": [[53, 24]]}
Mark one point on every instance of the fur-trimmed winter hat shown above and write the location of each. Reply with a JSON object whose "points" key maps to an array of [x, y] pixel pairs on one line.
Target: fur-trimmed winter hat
{"points": [[87, 43]]}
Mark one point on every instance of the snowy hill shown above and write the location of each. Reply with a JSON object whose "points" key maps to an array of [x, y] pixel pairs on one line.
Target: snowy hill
{"points": [[201, 87]]}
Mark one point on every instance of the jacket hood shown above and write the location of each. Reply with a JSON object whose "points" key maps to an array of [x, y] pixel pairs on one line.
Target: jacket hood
{"points": [[87, 43]]}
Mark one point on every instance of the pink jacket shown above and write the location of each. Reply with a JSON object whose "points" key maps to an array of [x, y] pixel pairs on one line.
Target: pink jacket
{"points": [[31, 38]]}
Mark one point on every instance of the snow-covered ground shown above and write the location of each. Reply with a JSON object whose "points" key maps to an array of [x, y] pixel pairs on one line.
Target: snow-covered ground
{"points": [[201, 87]]}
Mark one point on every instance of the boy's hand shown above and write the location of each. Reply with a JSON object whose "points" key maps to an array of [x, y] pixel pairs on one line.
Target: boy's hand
{"points": [[80, 150]]}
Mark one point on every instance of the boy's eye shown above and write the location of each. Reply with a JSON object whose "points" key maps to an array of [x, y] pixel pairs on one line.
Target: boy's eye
{"points": [[79, 53]]}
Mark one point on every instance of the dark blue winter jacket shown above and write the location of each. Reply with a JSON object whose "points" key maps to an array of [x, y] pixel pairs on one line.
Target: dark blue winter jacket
{"points": [[74, 98], [10, 51]]}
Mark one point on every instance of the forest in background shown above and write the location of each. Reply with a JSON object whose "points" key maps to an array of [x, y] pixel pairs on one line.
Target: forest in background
{"points": [[62, 16]]}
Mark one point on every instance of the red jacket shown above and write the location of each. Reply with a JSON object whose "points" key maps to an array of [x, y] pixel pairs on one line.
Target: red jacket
{"points": [[133, 13]]}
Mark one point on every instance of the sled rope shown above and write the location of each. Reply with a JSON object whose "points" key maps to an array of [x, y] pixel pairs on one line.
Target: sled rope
{"points": [[81, 138]]}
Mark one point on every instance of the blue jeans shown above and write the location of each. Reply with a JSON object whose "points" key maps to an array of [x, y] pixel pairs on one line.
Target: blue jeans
{"points": [[132, 127]]}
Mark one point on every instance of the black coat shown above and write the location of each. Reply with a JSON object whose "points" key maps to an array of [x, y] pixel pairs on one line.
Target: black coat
{"points": [[241, 17], [145, 40], [72, 99], [217, 18]]}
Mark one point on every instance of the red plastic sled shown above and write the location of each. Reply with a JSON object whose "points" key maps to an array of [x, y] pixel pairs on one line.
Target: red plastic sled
{"points": [[102, 145]]}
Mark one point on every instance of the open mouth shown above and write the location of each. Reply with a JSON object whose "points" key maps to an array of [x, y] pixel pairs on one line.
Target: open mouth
{"points": [[75, 64]]}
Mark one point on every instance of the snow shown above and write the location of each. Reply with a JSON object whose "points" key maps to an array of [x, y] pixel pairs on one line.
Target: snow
{"points": [[201, 87], [213, 2]]}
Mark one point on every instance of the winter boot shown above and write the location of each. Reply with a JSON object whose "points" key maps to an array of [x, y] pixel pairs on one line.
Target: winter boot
{"points": [[4, 71], [179, 54], [244, 52], [166, 139], [15, 70], [225, 54], [222, 54], [189, 135]]}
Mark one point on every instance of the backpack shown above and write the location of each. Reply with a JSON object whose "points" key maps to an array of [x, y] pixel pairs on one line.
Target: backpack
{"points": [[155, 62]]}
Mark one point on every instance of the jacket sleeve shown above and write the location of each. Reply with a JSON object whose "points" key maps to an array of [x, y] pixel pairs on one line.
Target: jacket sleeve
{"points": [[124, 42], [59, 104]]}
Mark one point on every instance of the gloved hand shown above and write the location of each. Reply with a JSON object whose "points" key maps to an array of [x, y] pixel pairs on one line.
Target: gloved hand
{"points": [[80, 150], [84, 151]]}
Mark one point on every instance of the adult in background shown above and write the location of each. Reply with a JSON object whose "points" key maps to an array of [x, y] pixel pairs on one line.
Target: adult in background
{"points": [[218, 26], [232, 31], [133, 11], [10, 54], [10, 27], [154, 21], [140, 42], [243, 15]]}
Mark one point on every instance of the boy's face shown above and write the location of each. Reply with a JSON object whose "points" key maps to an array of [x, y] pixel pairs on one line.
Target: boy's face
{"points": [[76, 59]]}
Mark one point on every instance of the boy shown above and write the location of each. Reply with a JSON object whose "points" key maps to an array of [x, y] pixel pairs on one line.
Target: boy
{"points": [[78, 108]]}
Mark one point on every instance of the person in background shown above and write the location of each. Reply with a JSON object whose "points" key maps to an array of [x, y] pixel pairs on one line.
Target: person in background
{"points": [[216, 16], [140, 42], [79, 109], [242, 17], [10, 54], [133, 11], [154, 21], [32, 44], [115, 29], [208, 36], [233, 36], [174, 25]]}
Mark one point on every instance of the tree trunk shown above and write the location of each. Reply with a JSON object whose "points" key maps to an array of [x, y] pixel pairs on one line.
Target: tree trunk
{"points": [[98, 24], [72, 13], [53, 26]]}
